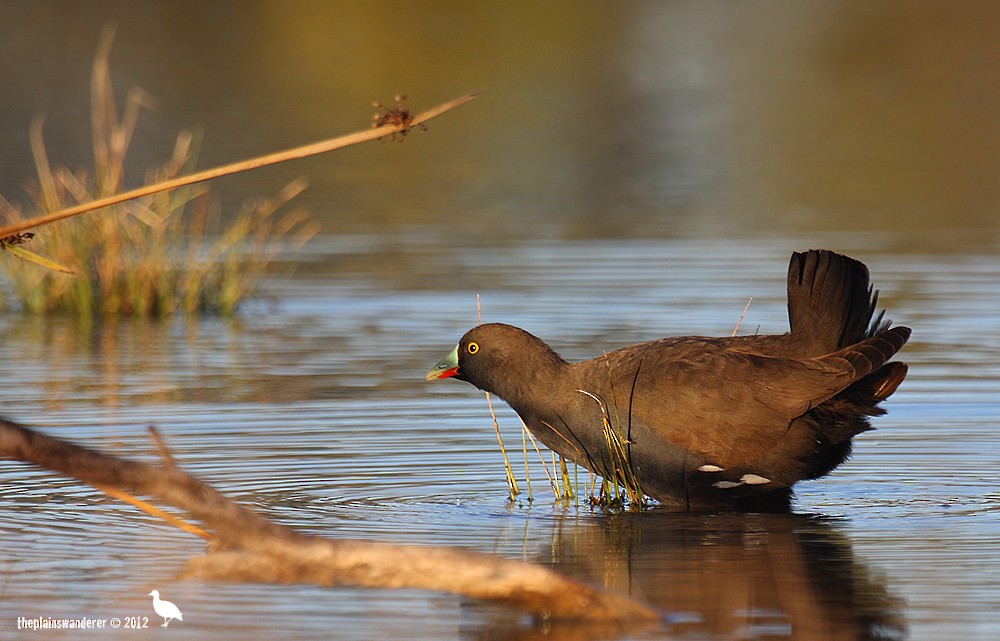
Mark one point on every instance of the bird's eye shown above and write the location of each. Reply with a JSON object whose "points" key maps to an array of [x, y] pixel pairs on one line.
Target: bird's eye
{"points": [[472, 348]]}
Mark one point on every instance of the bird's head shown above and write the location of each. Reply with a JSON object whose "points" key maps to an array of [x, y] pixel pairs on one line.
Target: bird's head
{"points": [[498, 358]]}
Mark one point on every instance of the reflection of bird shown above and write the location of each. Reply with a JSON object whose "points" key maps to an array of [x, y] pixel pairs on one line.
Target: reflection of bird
{"points": [[165, 609], [708, 421]]}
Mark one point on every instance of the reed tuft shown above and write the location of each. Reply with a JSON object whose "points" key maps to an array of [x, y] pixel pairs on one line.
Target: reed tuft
{"points": [[170, 252]]}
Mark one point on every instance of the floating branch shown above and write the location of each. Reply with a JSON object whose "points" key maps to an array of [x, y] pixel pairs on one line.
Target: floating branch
{"points": [[245, 546]]}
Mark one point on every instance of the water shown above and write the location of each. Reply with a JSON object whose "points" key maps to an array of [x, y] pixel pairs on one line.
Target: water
{"points": [[628, 174], [313, 409]]}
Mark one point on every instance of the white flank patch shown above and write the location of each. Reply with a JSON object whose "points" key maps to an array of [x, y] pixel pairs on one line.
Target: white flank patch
{"points": [[753, 479], [725, 485], [710, 468]]}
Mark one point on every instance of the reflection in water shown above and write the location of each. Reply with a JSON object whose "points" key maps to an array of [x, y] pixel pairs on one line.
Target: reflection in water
{"points": [[786, 576], [119, 361]]}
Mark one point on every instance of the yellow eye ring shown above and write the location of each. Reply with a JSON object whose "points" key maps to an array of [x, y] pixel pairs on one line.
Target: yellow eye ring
{"points": [[472, 348]]}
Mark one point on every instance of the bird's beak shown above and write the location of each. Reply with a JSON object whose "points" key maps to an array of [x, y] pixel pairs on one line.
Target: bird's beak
{"points": [[446, 367]]}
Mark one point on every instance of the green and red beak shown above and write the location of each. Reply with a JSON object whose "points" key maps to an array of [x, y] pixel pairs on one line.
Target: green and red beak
{"points": [[445, 368]]}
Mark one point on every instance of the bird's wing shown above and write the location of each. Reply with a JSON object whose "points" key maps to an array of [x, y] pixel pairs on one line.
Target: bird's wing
{"points": [[718, 402]]}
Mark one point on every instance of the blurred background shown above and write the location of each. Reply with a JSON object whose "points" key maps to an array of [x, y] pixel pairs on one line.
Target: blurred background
{"points": [[634, 170], [600, 119]]}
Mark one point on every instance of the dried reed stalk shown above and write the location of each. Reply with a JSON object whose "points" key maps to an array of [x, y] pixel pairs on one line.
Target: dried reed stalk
{"points": [[244, 165], [740, 321]]}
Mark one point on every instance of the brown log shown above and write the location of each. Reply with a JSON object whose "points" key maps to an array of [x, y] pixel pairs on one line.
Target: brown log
{"points": [[245, 546]]}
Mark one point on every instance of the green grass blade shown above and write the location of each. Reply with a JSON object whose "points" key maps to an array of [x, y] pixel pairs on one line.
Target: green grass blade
{"points": [[32, 257]]}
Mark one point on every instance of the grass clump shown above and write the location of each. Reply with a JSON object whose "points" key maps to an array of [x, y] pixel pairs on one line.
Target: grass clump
{"points": [[615, 485], [620, 483], [167, 253]]}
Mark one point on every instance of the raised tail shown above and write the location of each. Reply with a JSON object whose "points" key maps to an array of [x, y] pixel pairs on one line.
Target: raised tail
{"points": [[831, 309], [831, 304], [839, 419], [869, 355]]}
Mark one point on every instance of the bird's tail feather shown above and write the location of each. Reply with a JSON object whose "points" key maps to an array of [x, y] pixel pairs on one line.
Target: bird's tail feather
{"points": [[831, 304]]}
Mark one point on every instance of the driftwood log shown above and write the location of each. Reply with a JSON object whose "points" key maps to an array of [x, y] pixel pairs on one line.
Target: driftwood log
{"points": [[245, 546]]}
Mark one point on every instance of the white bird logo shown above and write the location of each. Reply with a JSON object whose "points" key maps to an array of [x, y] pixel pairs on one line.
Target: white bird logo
{"points": [[165, 609]]}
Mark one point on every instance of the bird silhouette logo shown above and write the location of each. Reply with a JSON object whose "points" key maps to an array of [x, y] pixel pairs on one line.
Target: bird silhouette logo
{"points": [[165, 609]]}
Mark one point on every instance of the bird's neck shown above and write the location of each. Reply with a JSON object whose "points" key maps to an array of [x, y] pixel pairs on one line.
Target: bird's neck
{"points": [[532, 384]]}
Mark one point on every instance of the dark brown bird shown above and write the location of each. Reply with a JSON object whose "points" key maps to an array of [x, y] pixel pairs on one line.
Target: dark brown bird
{"points": [[709, 422]]}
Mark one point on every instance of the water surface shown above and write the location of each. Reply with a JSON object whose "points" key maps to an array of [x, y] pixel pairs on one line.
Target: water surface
{"points": [[312, 408]]}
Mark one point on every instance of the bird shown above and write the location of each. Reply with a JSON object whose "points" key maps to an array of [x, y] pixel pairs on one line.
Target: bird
{"points": [[165, 609], [705, 422]]}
